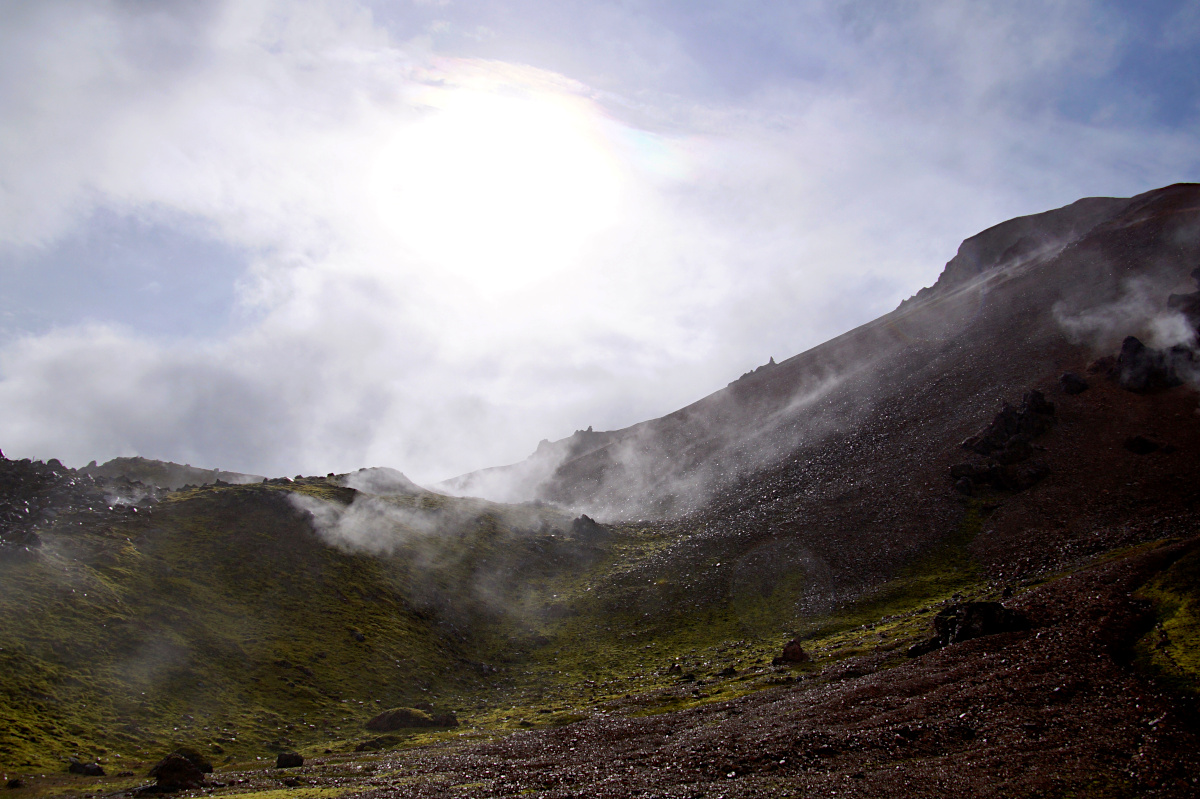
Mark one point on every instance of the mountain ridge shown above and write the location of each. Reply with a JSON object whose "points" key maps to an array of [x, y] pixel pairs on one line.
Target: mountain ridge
{"points": [[578, 479]]}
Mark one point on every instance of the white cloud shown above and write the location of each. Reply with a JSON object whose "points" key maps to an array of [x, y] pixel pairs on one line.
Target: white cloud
{"points": [[452, 258]]}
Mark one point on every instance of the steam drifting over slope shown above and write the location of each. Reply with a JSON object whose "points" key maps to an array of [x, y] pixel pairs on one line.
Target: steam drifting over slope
{"points": [[1030, 286]]}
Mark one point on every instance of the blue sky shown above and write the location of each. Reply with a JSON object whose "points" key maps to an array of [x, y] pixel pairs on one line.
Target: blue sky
{"points": [[288, 237]]}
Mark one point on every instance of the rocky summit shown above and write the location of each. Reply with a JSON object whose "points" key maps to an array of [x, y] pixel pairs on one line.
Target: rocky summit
{"points": [[952, 552]]}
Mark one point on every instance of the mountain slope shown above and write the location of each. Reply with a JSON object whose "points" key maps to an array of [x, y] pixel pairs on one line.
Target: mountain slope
{"points": [[1070, 259], [847, 497]]}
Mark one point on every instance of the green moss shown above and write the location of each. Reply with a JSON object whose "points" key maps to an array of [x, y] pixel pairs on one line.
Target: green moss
{"points": [[1172, 648], [299, 792], [222, 622]]}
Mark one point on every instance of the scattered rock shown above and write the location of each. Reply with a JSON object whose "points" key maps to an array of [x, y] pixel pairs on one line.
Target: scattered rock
{"points": [[289, 760], [176, 773], [1072, 383], [728, 671], [793, 653], [1140, 445], [675, 668], [76, 766], [966, 620]]}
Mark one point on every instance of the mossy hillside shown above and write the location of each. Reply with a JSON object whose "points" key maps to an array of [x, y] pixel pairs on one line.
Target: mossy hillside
{"points": [[222, 620], [241, 627], [1172, 648], [609, 649]]}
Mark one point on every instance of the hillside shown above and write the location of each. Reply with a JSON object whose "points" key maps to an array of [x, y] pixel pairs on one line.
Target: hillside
{"points": [[165, 474], [1001, 316], [853, 499]]}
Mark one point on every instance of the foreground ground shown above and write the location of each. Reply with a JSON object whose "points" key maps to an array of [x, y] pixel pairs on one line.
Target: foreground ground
{"points": [[1076, 706]]}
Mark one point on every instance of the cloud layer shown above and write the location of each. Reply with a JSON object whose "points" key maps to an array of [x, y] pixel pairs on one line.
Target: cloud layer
{"points": [[461, 232]]}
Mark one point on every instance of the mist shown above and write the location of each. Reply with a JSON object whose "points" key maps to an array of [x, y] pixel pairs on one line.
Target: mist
{"points": [[441, 237]]}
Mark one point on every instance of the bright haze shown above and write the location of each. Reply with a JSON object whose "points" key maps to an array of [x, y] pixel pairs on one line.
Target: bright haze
{"points": [[302, 237]]}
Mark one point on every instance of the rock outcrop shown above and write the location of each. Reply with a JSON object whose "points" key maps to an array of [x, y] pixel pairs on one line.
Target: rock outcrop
{"points": [[966, 620]]}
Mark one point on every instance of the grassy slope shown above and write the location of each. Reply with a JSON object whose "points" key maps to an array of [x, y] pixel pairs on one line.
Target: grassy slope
{"points": [[222, 621], [1172, 648]]}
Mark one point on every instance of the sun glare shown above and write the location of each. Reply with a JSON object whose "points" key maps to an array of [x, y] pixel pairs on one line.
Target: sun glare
{"points": [[500, 186]]}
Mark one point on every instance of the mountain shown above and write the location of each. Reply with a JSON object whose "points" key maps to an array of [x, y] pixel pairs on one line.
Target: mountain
{"points": [[1001, 315], [953, 552]]}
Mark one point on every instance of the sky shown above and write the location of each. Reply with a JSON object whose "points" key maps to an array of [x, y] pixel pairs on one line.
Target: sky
{"points": [[295, 237]]}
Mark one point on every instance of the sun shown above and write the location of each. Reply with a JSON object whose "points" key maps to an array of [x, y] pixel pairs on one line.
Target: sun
{"points": [[502, 185]]}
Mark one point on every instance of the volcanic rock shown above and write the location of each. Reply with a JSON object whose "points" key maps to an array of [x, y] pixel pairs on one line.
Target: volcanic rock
{"points": [[966, 620], [1140, 368], [793, 653], [587, 529], [404, 717], [1073, 383], [1012, 428], [176, 773], [198, 760], [289, 760]]}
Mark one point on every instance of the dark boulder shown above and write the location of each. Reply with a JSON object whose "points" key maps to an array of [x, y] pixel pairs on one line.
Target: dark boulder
{"points": [[446, 718], [1140, 368], [15, 782], [1012, 428], [289, 760], [1006, 444], [1072, 383], [76, 766], [400, 718], [966, 620], [588, 530], [793, 654], [1011, 476], [176, 773], [198, 760]]}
